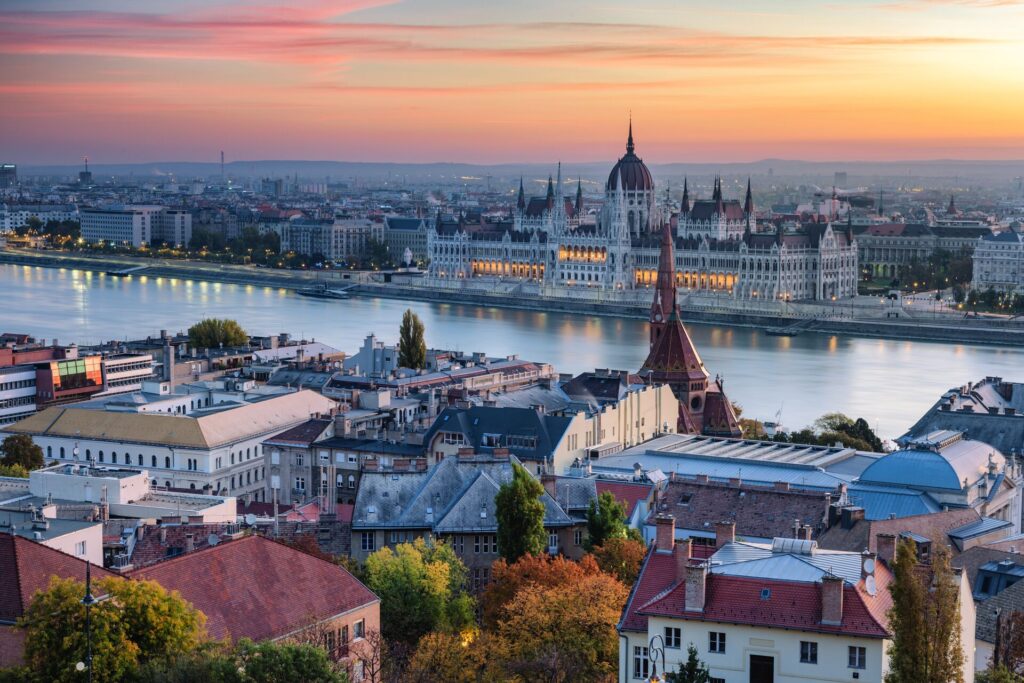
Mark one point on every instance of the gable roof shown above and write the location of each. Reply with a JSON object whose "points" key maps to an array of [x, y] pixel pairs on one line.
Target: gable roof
{"points": [[27, 567], [476, 421], [205, 431], [259, 589]]}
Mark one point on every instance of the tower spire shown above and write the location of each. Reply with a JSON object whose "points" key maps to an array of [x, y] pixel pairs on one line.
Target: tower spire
{"points": [[551, 192], [629, 140], [579, 196], [521, 200], [685, 206], [748, 203], [719, 203]]}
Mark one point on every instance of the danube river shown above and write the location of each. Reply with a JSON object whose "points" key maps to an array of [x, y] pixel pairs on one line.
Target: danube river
{"points": [[889, 383]]}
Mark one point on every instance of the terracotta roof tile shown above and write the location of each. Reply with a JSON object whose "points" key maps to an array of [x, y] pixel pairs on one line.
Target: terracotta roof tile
{"points": [[628, 494], [256, 588]]}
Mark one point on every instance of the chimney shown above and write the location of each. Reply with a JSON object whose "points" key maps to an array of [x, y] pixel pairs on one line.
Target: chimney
{"points": [[805, 532], [665, 533], [163, 535], [796, 528], [831, 600], [696, 582], [683, 555], [725, 532], [190, 542], [550, 484], [851, 515], [782, 486], [885, 547]]}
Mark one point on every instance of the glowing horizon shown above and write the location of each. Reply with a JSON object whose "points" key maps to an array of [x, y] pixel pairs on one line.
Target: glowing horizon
{"points": [[450, 80]]}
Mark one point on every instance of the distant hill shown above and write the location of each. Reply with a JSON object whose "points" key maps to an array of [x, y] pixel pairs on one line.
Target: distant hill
{"points": [[447, 172]]}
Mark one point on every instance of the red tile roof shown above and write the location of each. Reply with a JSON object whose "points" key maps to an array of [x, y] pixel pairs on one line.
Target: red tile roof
{"points": [[27, 567], [737, 600], [256, 588], [629, 494]]}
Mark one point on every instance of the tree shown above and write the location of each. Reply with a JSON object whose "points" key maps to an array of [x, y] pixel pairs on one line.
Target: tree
{"points": [[520, 515], [621, 557], [212, 333], [543, 569], [455, 658], [412, 349], [998, 674], [142, 623], [276, 662], [19, 449], [563, 632], [691, 671], [1009, 646], [13, 471], [422, 588], [924, 619], [606, 518]]}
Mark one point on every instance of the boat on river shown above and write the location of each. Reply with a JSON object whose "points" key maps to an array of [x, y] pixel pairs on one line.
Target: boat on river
{"points": [[320, 290]]}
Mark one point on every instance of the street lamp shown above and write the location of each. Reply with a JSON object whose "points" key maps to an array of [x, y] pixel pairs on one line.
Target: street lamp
{"points": [[89, 600], [654, 652]]}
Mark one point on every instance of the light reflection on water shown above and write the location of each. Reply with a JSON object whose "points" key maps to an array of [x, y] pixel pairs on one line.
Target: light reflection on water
{"points": [[890, 383]]}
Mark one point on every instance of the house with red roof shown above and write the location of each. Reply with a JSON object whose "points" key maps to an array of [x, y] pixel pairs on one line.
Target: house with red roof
{"points": [[778, 612]]}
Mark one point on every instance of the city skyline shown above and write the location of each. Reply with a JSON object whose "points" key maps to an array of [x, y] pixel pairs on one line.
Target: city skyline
{"points": [[452, 81]]}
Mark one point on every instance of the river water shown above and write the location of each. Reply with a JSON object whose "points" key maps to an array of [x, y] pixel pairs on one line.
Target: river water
{"points": [[889, 383]]}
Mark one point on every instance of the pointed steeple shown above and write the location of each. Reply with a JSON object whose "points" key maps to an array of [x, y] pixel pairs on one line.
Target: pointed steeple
{"points": [[521, 200], [665, 294], [551, 193], [881, 204], [719, 203], [951, 209], [629, 140], [748, 203], [560, 204], [779, 234], [579, 197], [685, 206]]}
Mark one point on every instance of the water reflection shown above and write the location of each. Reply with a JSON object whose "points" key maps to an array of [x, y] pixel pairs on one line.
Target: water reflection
{"points": [[889, 383]]}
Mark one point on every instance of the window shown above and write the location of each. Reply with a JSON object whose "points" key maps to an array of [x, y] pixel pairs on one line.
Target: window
{"points": [[299, 460], [358, 630], [351, 481], [459, 544], [641, 663], [368, 542], [113, 457], [167, 462], [577, 537], [101, 456], [673, 637], [154, 461], [553, 543], [300, 483], [808, 652], [858, 657], [80, 548], [716, 680], [716, 642], [485, 544]]}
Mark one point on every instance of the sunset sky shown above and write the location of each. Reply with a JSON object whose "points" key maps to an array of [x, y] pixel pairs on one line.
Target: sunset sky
{"points": [[527, 80]]}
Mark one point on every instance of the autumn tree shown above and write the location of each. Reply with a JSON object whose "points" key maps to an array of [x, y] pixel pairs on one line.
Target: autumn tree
{"points": [[246, 662], [412, 349], [693, 670], [422, 588], [621, 557], [556, 633], [20, 449], [456, 658], [13, 471], [1008, 650], [520, 514], [142, 623], [924, 619], [211, 333], [545, 570]]}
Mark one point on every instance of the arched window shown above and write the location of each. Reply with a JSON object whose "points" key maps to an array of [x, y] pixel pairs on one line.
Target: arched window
{"points": [[140, 459], [88, 454], [232, 482], [113, 457], [192, 486], [62, 451], [49, 451], [167, 462], [154, 461], [167, 484], [101, 456]]}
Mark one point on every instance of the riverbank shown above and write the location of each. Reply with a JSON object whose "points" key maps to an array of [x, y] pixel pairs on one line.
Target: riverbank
{"points": [[846, 322]]}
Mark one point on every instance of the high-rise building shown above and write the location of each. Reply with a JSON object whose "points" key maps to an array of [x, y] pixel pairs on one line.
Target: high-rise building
{"points": [[136, 225], [8, 175]]}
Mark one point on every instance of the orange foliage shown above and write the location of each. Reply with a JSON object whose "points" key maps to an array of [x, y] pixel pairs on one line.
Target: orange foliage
{"points": [[543, 570], [621, 557]]}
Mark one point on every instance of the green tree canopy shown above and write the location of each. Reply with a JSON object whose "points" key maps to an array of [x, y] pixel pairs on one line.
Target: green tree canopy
{"points": [[141, 623], [248, 662], [693, 670], [19, 449], [412, 349], [924, 619], [606, 518], [422, 588], [520, 514], [211, 333]]}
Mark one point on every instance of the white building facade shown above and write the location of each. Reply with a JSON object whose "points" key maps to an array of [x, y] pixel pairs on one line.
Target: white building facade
{"points": [[999, 262]]}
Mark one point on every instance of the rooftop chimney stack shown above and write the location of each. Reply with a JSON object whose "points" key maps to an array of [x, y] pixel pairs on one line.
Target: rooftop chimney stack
{"points": [[831, 600], [190, 542], [696, 583], [683, 552], [885, 547], [725, 532], [665, 533]]}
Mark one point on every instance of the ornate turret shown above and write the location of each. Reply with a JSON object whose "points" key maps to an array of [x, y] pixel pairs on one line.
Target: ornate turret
{"points": [[665, 290], [881, 203], [521, 201], [685, 206], [551, 193], [579, 197], [719, 202], [951, 209], [748, 203]]}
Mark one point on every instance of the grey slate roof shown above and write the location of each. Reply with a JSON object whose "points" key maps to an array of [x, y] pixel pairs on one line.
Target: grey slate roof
{"points": [[446, 499], [1009, 600], [982, 526], [477, 421]]}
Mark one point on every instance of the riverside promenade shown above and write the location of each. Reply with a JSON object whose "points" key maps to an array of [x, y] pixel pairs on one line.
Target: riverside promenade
{"points": [[861, 317]]}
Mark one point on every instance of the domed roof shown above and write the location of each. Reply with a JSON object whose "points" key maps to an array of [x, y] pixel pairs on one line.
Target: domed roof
{"points": [[631, 170], [943, 465]]}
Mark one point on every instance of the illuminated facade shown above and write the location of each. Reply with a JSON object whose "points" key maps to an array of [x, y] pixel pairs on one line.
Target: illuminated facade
{"points": [[75, 379], [718, 246]]}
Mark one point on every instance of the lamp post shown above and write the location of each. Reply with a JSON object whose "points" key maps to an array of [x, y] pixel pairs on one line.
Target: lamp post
{"points": [[89, 600], [654, 651]]}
